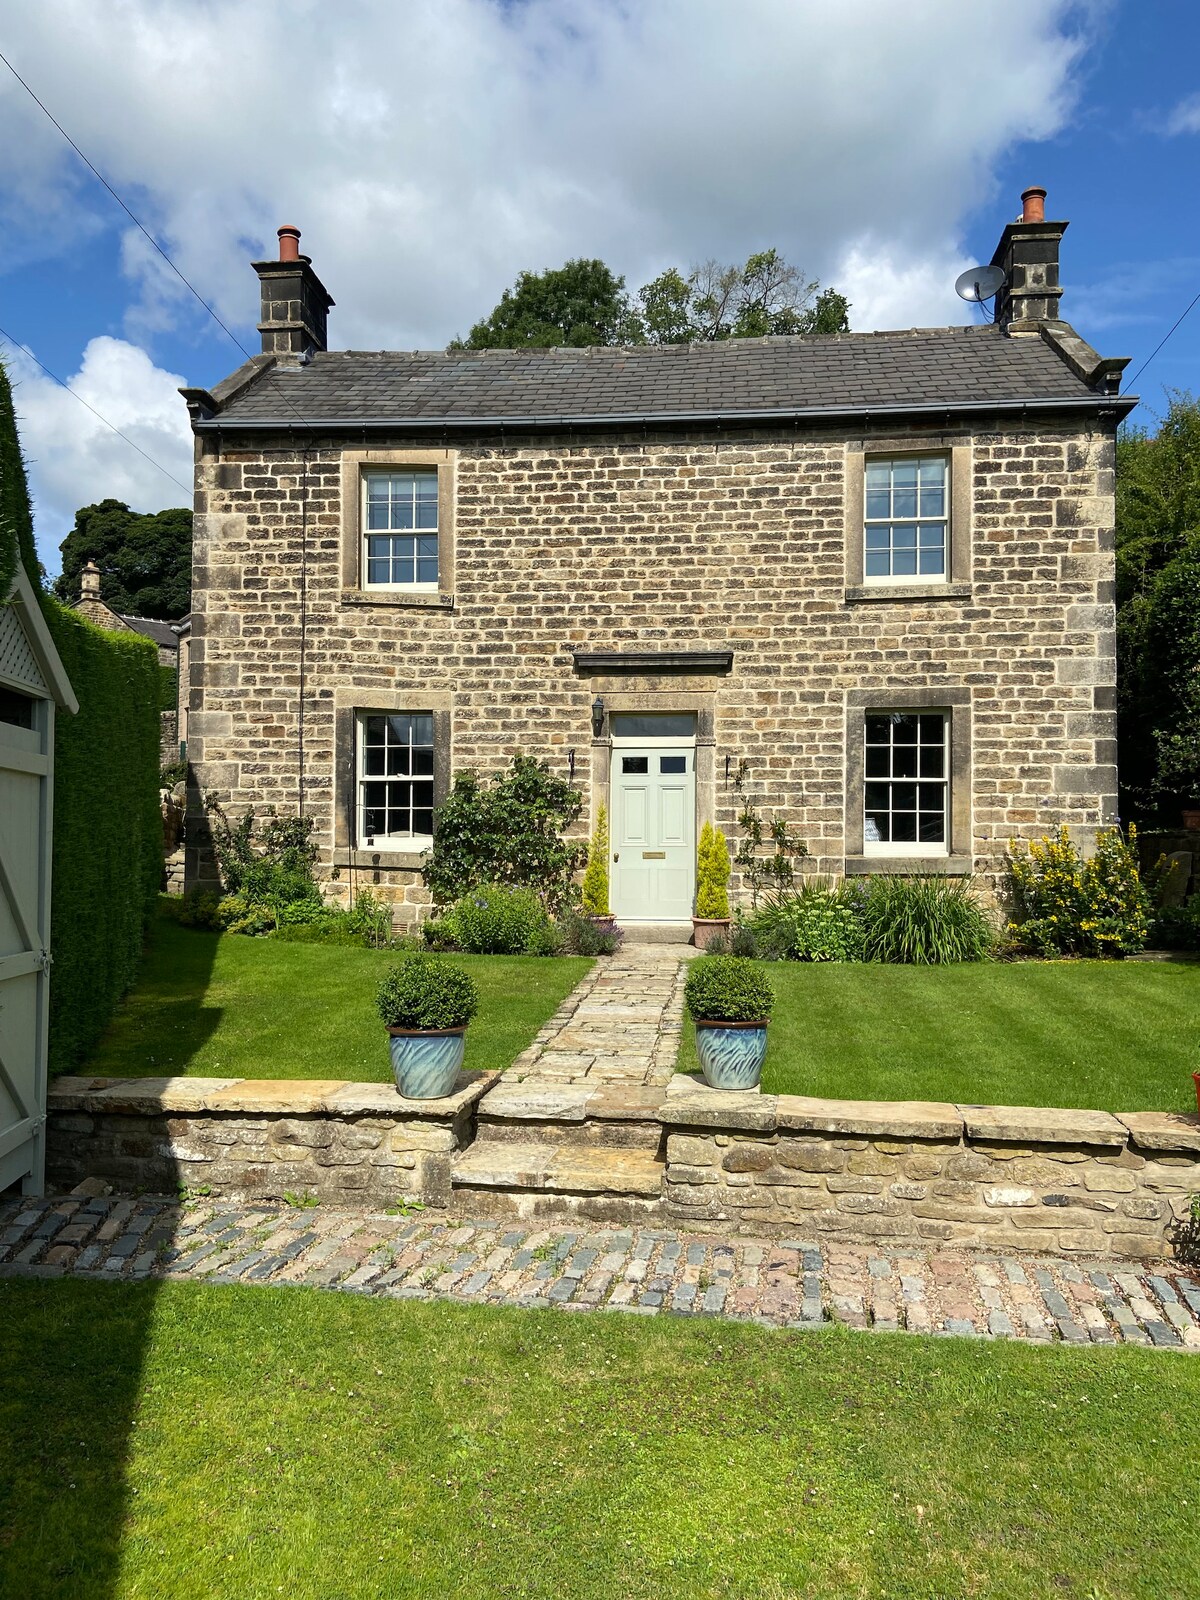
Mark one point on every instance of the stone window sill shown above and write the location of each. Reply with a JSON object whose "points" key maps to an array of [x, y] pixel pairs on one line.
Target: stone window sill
{"points": [[907, 591], [367, 858], [394, 597], [908, 866]]}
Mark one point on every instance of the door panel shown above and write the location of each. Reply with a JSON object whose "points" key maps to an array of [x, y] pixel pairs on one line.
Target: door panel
{"points": [[653, 805]]}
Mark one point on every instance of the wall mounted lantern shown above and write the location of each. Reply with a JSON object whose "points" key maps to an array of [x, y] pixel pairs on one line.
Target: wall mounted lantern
{"points": [[597, 717]]}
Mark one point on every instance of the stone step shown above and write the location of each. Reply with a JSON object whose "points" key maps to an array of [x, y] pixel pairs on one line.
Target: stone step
{"points": [[557, 1169], [657, 932], [537, 1111]]}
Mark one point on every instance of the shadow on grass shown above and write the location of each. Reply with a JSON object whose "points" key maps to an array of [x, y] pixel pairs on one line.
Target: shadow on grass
{"points": [[163, 1023]]}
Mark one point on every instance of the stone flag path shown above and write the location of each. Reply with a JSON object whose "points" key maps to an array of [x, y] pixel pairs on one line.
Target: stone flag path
{"points": [[620, 1025], [647, 1271]]}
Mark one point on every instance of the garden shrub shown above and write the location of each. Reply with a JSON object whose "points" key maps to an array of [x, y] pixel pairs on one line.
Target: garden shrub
{"points": [[814, 923], [426, 991], [1178, 927], [581, 936], [498, 919], [921, 921], [1185, 1235], [367, 922], [507, 829], [107, 846], [1064, 905], [727, 989], [712, 875], [595, 878]]}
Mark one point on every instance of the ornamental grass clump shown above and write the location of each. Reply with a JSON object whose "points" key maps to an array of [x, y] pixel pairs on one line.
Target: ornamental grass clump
{"points": [[727, 989], [1063, 905], [712, 875], [922, 921], [423, 991]]}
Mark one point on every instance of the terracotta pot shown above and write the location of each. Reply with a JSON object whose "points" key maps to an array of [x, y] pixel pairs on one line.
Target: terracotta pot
{"points": [[1196, 1081], [1191, 818], [703, 929], [606, 923]]}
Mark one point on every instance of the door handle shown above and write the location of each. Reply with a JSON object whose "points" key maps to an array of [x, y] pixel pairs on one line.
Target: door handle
{"points": [[616, 855]]}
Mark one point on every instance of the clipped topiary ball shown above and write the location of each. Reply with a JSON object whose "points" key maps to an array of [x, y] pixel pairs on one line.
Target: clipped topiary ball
{"points": [[426, 991], [727, 989]]}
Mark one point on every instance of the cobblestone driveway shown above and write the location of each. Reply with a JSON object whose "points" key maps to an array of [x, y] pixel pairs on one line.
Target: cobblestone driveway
{"points": [[643, 1271]]}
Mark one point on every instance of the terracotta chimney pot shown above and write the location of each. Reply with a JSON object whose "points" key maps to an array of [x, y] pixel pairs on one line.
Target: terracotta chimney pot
{"points": [[289, 243], [1033, 205]]}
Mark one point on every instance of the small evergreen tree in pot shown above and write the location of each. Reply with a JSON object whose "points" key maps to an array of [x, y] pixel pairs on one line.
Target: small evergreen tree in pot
{"points": [[730, 1001], [595, 878], [712, 886], [425, 1003]]}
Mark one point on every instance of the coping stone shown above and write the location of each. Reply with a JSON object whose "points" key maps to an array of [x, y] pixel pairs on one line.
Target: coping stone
{"points": [[617, 1102], [1042, 1125], [1162, 1130], [385, 1098], [896, 1119], [277, 1094], [135, 1096], [690, 1103]]}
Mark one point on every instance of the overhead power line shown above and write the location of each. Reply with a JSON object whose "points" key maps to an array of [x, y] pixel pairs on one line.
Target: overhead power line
{"points": [[141, 227], [25, 350], [1163, 340]]}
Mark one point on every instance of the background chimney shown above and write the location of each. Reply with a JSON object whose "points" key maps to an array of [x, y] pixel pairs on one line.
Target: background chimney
{"points": [[295, 303], [89, 582], [1028, 255]]}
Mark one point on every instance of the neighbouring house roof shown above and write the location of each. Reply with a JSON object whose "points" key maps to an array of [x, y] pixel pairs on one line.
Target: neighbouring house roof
{"points": [[969, 368], [164, 634]]}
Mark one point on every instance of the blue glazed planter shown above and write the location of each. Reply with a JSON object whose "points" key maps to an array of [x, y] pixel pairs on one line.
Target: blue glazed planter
{"points": [[426, 1065], [731, 1053]]}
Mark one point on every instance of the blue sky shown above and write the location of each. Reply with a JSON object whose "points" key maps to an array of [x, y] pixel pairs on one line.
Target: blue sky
{"points": [[880, 147]]}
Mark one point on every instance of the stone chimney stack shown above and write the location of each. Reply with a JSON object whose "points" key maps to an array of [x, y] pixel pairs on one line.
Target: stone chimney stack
{"points": [[295, 303], [1028, 255], [89, 582]]}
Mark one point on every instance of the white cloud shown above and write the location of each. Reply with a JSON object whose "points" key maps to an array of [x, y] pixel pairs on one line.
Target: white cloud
{"points": [[1185, 117], [432, 150], [74, 459]]}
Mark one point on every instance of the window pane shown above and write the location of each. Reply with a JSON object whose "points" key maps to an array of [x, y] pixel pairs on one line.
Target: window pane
{"points": [[422, 761], [933, 829], [933, 502], [377, 513], [879, 730], [877, 795], [904, 727], [375, 726], [904, 474], [904, 536], [877, 763], [933, 471], [423, 822], [427, 571], [904, 827], [879, 538], [398, 759], [876, 827], [672, 763], [933, 535], [422, 727], [904, 563], [931, 797], [878, 564], [653, 724], [402, 571], [878, 503], [635, 764], [374, 821], [932, 562], [904, 761], [932, 759], [904, 503], [878, 474], [373, 760], [933, 728], [904, 797]]}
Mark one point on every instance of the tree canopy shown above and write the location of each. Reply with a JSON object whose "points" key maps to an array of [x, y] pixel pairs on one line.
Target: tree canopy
{"points": [[1158, 620], [585, 303], [145, 558]]}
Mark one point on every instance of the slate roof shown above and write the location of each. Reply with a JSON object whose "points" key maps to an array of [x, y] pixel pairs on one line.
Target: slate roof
{"points": [[163, 633], [896, 371]]}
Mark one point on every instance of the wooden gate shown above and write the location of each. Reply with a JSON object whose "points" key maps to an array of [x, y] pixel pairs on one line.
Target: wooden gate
{"points": [[32, 683]]}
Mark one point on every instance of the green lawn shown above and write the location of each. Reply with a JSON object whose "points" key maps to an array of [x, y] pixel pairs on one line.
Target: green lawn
{"points": [[1117, 1036], [210, 1005], [193, 1442]]}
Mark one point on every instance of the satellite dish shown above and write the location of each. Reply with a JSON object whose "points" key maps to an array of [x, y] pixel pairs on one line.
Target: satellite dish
{"points": [[979, 283]]}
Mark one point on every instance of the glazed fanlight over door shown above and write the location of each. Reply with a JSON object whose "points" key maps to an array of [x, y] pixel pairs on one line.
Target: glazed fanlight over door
{"points": [[653, 832]]}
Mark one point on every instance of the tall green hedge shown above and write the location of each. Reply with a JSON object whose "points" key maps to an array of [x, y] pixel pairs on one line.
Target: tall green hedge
{"points": [[107, 826]]}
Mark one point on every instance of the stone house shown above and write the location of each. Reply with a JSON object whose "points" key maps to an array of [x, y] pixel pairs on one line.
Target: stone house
{"points": [[863, 582]]}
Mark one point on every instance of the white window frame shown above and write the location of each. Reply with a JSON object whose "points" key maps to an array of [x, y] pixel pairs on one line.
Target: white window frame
{"points": [[909, 579], [399, 469], [910, 848], [406, 841]]}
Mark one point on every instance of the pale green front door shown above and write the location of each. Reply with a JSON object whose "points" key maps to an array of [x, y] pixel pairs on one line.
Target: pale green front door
{"points": [[653, 832]]}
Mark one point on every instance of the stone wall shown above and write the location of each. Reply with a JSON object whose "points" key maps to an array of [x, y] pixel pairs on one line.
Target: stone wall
{"points": [[713, 541], [357, 1143], [996, 1178]]}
